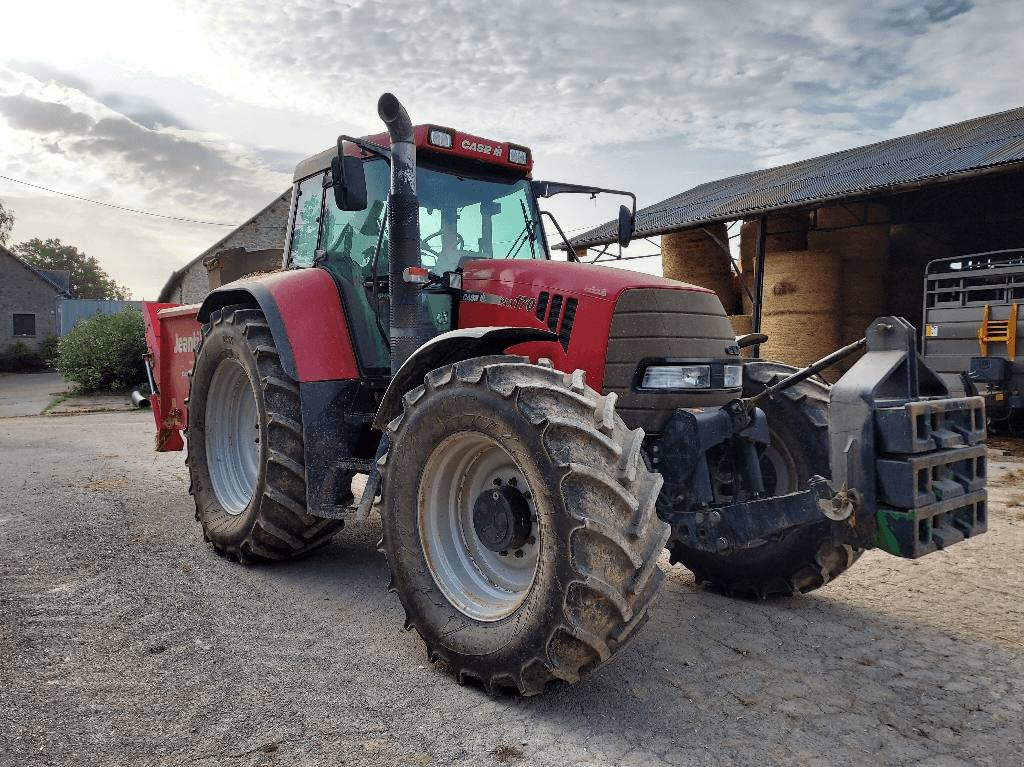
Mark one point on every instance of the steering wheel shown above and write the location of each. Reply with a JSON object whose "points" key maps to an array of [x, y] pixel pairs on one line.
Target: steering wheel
{"points": [[460, 243]]}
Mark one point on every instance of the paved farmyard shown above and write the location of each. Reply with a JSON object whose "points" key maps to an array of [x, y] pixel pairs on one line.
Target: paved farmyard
{"points": [[124, 640]]}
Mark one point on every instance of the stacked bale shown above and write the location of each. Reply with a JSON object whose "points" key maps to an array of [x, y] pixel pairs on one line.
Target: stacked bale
{"points": [[802, 289], [858, 235], [741, 327], [786, 232], [693, 256]]}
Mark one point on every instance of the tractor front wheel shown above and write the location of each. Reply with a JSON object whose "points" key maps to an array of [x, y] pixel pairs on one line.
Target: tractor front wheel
{"points": [[519, 523], [245, 446]]}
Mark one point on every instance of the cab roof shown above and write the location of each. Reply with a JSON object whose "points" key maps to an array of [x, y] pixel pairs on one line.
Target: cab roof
{"points": [[430, 138]]}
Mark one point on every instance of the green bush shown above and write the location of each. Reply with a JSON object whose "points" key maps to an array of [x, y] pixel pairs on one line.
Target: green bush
{"points": [[17, 348], [105, 351], [22, 363], [49, 347]]}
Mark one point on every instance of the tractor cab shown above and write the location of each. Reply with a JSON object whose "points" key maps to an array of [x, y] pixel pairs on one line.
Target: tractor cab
{"points": [[475, 202]]}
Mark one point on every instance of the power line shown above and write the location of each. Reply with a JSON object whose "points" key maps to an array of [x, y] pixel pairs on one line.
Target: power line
{"points": [[117, 207]]}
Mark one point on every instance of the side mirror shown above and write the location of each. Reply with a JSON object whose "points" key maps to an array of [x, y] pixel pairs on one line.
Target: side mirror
{"points": [[349, 183], [625, 226]]}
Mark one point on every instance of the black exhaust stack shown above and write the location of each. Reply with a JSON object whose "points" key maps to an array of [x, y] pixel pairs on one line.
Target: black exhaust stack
{"points": [[410, 327]]}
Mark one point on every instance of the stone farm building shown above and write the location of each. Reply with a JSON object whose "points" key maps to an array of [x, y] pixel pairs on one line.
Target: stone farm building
{"points": [[29, 302], [255, 246]]}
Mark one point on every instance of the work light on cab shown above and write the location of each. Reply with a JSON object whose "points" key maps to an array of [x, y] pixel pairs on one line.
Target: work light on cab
{"points": [[440, 138], [518, 156]]}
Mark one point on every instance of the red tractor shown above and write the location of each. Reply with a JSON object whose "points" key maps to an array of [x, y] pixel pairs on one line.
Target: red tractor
{"points": [[534, 433]]}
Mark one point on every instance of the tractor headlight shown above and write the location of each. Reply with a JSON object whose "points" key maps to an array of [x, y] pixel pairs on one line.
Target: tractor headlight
{"points": [[677, 377], [733, 378]]}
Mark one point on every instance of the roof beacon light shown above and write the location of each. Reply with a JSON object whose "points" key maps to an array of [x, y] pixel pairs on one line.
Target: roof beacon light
{"points": [[440, 138], [517, 156]]}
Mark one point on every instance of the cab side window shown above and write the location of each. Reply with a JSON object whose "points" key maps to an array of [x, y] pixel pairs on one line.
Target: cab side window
{"points": [[309, 207]]}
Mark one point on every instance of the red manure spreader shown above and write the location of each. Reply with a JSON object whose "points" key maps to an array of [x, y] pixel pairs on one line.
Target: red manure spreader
{"points": [[534, 432]]}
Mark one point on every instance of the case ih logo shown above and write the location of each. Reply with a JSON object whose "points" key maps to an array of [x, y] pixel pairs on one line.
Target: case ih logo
{"points": [[474, 146], [186, 343]]}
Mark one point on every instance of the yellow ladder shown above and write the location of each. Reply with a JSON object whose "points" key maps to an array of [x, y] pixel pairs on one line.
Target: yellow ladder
{"points": [[993, 331]]}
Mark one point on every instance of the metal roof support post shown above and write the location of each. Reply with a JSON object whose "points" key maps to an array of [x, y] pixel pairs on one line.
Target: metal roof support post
{"points": [[755, 320]]}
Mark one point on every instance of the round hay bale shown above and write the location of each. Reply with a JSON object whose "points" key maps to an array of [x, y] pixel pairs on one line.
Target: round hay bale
{"points": [[801, 302], [741, 327], [855, 243], [851, 214], [786, 231], [864, 254], [693, 256]]}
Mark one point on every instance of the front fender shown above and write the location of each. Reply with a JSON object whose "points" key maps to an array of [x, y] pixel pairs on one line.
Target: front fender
{"points": [[306, 318], [446, 349]]}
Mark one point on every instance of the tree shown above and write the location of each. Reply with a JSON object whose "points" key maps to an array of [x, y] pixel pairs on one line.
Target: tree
{"points": [[88, 280], [6, 223]]}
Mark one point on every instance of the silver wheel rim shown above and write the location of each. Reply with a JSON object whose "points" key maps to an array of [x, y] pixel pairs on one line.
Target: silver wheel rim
{"points": [[480, 583], [232, 430], [784, 465]]}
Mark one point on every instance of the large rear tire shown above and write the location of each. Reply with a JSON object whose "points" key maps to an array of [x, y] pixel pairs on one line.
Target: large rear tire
{"points": [[245, 447], [519, 523], [802, 558]]}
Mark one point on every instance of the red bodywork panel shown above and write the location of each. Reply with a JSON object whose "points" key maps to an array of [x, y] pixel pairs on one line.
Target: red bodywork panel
{"points": [[508, 293], [463, 145], [172, 332], [307, 304], [314, 320]]}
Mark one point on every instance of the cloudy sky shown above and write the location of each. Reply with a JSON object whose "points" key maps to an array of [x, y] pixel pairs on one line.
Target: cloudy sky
{"points": [[200, 110]]}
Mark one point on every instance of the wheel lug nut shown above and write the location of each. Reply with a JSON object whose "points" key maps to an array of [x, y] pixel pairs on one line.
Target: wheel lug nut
{"points": [[527, 494], [519, 553], [503, 553], [512, 481], [497, 481], [531, 540]]}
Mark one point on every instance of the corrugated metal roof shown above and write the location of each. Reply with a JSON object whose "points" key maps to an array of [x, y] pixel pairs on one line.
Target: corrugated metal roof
{"points": [[985, 142]]}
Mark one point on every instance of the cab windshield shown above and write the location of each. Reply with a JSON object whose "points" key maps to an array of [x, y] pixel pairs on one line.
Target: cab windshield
{"points": [[461, 218]]}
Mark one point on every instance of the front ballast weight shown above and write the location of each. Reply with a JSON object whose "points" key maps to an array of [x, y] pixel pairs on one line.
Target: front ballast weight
{"points": [[907, 461], [914, 455]]}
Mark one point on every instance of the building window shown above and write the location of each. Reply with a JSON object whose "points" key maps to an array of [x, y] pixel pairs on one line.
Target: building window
{"points": [[24, 324]]}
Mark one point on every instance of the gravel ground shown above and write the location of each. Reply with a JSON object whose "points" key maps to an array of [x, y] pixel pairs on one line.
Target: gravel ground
{"points": [[124, 640]]}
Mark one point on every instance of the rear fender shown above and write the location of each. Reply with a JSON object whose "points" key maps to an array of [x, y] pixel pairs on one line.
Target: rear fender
{"points": [[446, 349], [306, 318]]}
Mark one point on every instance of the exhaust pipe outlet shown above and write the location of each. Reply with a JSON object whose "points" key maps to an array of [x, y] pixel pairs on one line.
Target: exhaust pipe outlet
{"points": [[410, 327], [139, 399]]}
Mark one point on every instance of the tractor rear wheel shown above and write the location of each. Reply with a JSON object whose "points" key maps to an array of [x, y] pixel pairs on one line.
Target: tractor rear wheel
{"points": [[245, 447], [802, 558], [519, 523]]}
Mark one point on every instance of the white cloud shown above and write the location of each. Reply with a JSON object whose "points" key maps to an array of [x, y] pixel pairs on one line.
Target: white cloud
{"points": [[762, 81], [784, 79]]}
